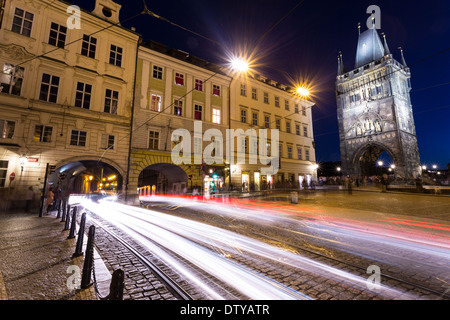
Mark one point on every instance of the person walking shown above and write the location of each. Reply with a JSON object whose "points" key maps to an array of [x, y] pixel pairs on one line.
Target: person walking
{"points": [[349, 186], [50, 198]]}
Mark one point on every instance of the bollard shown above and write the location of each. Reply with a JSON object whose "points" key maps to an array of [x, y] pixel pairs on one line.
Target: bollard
{"points": [[73, 225], [63, 217], [88, 260], [59, 209], [294, 197], [78, 248], [117, 285], [66, 226]]}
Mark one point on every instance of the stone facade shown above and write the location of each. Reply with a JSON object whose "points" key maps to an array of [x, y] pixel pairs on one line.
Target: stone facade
{"points": [[375, 113]]}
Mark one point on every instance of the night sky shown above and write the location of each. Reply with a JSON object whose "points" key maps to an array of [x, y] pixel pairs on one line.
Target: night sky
{"points": [[303, 44]]}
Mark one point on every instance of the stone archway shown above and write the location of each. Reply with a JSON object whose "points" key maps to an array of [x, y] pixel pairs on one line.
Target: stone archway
{"points": [[164, 178], [365, 159]]}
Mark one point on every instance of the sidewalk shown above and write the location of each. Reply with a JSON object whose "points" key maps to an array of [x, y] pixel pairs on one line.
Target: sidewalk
{"points": [[36, 260]]}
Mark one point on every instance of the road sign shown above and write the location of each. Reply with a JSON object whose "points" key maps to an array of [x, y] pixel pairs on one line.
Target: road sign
{"points": [[12, 176]]}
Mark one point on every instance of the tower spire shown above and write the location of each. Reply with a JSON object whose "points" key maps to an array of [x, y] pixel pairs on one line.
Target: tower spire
{"points": [[403, 58], [340, 64], [386, 48]]}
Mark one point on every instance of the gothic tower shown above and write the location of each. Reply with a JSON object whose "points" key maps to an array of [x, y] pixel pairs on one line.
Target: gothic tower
{"points": [[374, 110]]}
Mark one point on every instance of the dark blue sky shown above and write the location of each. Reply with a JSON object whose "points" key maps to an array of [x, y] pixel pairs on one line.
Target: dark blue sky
{"points": [[305, 45]]}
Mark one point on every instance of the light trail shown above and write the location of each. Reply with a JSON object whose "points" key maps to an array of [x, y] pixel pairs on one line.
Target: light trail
{"points": [[208, 248]]}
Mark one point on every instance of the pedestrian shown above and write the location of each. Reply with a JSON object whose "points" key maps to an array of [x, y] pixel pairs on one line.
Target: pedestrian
{"points": [[50, 198], [349, 185], [384, 183]]}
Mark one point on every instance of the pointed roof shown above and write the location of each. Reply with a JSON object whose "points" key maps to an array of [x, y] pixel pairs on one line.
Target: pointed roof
{"points": [[370, 47], [403, 58], [340, 64], [386, 48]]}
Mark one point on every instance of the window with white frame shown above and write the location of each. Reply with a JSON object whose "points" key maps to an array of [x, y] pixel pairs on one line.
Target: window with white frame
{"points": [[303, 110], [297, 129], [179, 79], [153, 140], [296, 108], [7, 129], [83, 95], [288, 126], [155, 102], [157, 72], [216, 90], [22, 22], [3, 172], [286, 104], [299, 153], [111, 101], [57, 36], [277, 101], [49, 88], [244, 116], [278, 124], [78, 138], [11, 79], [267, 122], [178, 108], [42, 133], [255, 118], [115, 55], [89, 46], [216, 115], [307, 154], [305, 131], [107, 141], [266, 97], [289, 152]]}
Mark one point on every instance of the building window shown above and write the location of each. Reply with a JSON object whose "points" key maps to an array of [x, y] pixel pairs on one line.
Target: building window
{"points": [[286, 104], [179, 79], [178, 108], [266, 97], [115, 56], [255, 118], [244, 116], [153, 140], [216, 116], [296, 108], [303, 110], [288, 127], [267, 122], [278, 124], [111, 101], [107, 141], [88, 46], [78, 138], [42, 133], [297, 129], [243, 90], [57, 35], [157, 72], [299, 153], [198, 85], [49, 88], [254, 94], [307, 154], [7, 129], [216, 90], [277, 101], [305, 131], [155, 103], [22, 22], [3, 171], [280, 150], [198, 110], [11, 79], [289, 150], [83, 95]]}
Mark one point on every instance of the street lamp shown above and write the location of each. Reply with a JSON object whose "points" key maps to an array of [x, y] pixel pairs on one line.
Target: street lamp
{"points": [[302, 92]]}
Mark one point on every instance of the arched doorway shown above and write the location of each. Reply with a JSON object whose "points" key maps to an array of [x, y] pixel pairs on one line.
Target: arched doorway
{"points": [[164, 178], [84, 177], [373, 160]]}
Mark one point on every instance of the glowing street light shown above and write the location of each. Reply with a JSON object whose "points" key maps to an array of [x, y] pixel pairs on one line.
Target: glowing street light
{"points": [[380, 163], [239, 64], [302, 91]]}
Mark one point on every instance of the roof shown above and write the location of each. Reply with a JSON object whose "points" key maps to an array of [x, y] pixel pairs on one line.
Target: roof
{"points": [[370, 48]]}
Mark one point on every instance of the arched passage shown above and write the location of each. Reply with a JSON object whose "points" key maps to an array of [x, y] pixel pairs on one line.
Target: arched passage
{"points": [[164, 178], [367, 159], [86, 176]]}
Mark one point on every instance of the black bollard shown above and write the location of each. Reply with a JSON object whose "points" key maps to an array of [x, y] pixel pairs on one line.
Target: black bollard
{"points": [[63, 217], [88, 260], [59, 209], [66, 226], [79, 246], [73, 225], [117, 285]]}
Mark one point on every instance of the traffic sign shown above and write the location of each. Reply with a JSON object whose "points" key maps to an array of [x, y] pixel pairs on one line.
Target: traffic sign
{"points": [[12, 176]]}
